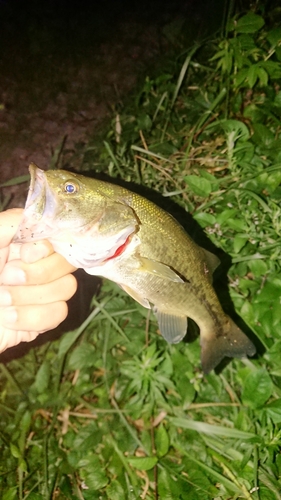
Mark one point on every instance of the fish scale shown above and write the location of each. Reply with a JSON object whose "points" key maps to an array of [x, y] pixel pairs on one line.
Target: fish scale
{"points": [[112, 232]]}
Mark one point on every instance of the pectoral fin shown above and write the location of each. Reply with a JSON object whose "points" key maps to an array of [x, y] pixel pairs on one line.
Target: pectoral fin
{"points": [[141, 300], [159, 269], [173, 328]]}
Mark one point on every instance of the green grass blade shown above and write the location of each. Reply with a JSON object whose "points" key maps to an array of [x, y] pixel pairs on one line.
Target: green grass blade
{"points": [[212, 430]]}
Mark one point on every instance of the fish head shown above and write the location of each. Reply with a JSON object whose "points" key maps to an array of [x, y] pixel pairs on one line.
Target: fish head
{"points": [[83, 224]]}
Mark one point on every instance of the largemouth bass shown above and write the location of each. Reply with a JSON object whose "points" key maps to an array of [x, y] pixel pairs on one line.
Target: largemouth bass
{"points": [[112, 232]]}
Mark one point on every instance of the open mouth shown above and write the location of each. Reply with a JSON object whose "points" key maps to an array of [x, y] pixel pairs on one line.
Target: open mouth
{"points": [[33, 224], [36, 193]]}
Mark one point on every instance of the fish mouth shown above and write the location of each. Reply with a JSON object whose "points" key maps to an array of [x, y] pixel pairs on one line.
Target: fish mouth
{"points": [[37, 188], [46, 216], [39, 204]]}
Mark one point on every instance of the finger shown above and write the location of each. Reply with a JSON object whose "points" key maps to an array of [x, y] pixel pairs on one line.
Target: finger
{"points": [[36, 250], [4, 253], [62, 289], [9, 222], [10, 338], [42, 271], [14, 251], [30, 252], [33, 318]]}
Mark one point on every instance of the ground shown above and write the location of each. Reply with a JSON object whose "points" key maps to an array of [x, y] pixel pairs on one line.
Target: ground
{"points": [[65, 72], [63, 77]]}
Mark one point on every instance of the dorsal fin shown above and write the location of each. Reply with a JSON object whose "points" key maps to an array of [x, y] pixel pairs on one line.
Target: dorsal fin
{"points": [[212, 262]]}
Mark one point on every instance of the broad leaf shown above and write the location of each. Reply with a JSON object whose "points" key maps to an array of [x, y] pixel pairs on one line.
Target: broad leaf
{"points": [[257, 389]]}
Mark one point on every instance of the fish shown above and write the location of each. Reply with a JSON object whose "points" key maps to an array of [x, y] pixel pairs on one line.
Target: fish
{"points": [[112, 232]]}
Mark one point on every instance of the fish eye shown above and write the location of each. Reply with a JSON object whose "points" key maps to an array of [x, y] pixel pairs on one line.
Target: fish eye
{"points": [[70, 187]]}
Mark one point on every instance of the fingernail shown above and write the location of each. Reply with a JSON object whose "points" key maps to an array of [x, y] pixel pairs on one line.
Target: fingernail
{"points": [[5, 298], [13, 276], [9, 315], [31, 252]]}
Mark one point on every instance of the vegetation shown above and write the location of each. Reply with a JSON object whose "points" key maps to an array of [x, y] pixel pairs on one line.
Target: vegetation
{"points": [[111, 411]]}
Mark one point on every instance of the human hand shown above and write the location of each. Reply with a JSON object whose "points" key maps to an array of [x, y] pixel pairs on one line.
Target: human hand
{"points": [[35, 283]]}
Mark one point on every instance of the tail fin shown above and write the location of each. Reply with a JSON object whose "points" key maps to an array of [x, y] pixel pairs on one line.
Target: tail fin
{"points": [[232, 343]]}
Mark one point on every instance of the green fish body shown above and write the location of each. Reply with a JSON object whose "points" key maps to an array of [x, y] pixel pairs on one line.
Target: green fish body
{"points": [[112, 232]]}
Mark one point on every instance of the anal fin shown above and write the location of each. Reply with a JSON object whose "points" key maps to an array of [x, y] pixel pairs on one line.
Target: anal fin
{"points": [[173, 328]]}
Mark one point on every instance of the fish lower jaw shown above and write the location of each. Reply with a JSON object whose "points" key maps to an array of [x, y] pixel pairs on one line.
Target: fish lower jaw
{"points": [[32, 229]]}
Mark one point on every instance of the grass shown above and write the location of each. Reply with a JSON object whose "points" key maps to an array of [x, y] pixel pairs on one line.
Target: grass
{"points": [[111, 410]]}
